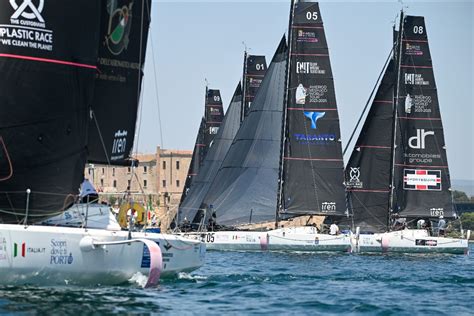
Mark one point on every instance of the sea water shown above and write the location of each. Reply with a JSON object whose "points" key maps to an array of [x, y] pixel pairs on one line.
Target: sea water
{"points": [[275, 283]]}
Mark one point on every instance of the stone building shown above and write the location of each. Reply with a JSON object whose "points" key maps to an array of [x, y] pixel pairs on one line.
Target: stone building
{"points": [[158, 180]]}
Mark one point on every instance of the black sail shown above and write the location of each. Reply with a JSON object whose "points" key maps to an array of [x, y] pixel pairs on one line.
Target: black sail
{"points": [[47, 63], [255, 67], [312, 164], [216, 154], [196, 160], [368, 170], [210, 124], [122, 48], [247, 181], [421, 175]]}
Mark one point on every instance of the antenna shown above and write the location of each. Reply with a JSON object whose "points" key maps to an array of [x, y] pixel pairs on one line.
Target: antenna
{"points": [[246, 48], [207, 82]]}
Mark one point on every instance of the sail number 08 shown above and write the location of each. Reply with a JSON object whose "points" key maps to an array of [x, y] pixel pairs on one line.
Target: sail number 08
{"points": [[311, 16], [417, 29]]}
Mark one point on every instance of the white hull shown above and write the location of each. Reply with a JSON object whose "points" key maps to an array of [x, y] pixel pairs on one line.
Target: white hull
{"points": [[66, 255], [409, 241], [283, 239]]}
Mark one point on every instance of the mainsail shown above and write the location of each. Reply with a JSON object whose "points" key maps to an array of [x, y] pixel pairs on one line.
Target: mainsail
{"points": [[255, 67], [312, 173], [122, 48], [46, 87], [221, 143], [210, 124], [420, 172], [247, 181]]}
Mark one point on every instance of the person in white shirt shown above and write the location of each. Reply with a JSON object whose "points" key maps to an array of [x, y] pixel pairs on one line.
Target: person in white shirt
{"points": [[334, 229], [441, 226]]}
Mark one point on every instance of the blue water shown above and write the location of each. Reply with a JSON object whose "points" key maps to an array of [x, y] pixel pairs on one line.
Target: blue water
{"points": [[276, 283]]}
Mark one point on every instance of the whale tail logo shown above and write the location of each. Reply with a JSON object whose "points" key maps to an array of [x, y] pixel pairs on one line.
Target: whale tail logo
{"points": [[314, 117]]}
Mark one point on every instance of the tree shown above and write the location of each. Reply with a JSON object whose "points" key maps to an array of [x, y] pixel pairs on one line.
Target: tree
{"points": [[460, 196], [468, 221]]}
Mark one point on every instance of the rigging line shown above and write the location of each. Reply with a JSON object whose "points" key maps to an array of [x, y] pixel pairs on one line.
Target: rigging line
{"points": [[7, 156], [139, 98], [156, 86], [101, 138], [368, 101]]}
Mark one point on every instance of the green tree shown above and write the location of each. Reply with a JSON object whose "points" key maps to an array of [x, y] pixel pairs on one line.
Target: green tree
{"points": [[460, 196], [468, 221]]}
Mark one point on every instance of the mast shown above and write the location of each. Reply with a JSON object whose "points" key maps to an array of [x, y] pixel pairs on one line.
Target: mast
{"points": [[244, 87], [285, 101], [398, 57]]}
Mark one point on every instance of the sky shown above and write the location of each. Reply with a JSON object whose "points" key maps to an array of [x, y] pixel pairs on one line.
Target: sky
{"points": [[194, 41]]}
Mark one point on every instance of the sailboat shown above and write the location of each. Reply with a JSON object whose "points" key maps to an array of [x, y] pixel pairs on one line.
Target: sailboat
{"points": [[58, 87], [190, 208], [210, 123], [402, 171], [286, 159]]}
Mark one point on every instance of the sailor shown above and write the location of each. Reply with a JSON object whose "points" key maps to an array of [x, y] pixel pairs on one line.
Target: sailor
{"points": [[420, 224], [400, 222], [428, 226], [441, 226], [334, 229]]}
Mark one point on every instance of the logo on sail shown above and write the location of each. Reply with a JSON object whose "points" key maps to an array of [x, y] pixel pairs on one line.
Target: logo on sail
{"points": [[307, 37], [419, 141], [314, 117], [416, 80], [413, 50], [354, 181], [120, 145], [120, 23], [21, 10], [309, 68], [301, 93], [328, 207], [422, 180]]}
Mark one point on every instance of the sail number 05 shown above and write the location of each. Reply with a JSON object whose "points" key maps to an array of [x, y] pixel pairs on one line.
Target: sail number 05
{"points": [[209, 237], [311, 15]]}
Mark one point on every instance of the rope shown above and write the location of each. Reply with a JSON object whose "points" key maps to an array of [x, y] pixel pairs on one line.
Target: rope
{"points": [[8, 160]]}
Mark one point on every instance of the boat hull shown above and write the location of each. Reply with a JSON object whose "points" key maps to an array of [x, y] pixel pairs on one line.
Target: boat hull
{"points": [[64, 255], [408, 241], [284, 239]]}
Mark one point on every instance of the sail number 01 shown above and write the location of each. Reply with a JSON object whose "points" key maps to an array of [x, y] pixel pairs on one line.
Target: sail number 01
{"points": [[418, 29], [260, 67], [311, 16]]}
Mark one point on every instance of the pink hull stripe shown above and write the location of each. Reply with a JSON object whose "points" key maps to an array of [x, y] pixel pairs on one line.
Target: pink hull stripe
{"points": [[156, 262], [46, 60], [264, 242]]}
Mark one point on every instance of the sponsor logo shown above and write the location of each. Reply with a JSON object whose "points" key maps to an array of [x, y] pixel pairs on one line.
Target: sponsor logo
{"points": [[59, 253], [415, 79], [310, 68], [413, 50], [27, 26], [314, 117], [20, 250], [120, 145], [254, 82], [413, 158], [317, 94], [306, 37], [213, 130], [120, 23], [425, 242], [215, 111], [301, 94], [437, 211], [419, 141], [328, 207], [354, 181], [20, 10], [314, 139], [422, 180], [417, 103]]}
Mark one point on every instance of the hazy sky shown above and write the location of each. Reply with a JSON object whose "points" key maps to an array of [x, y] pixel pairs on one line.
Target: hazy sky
{"points": [[193, 40]]}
